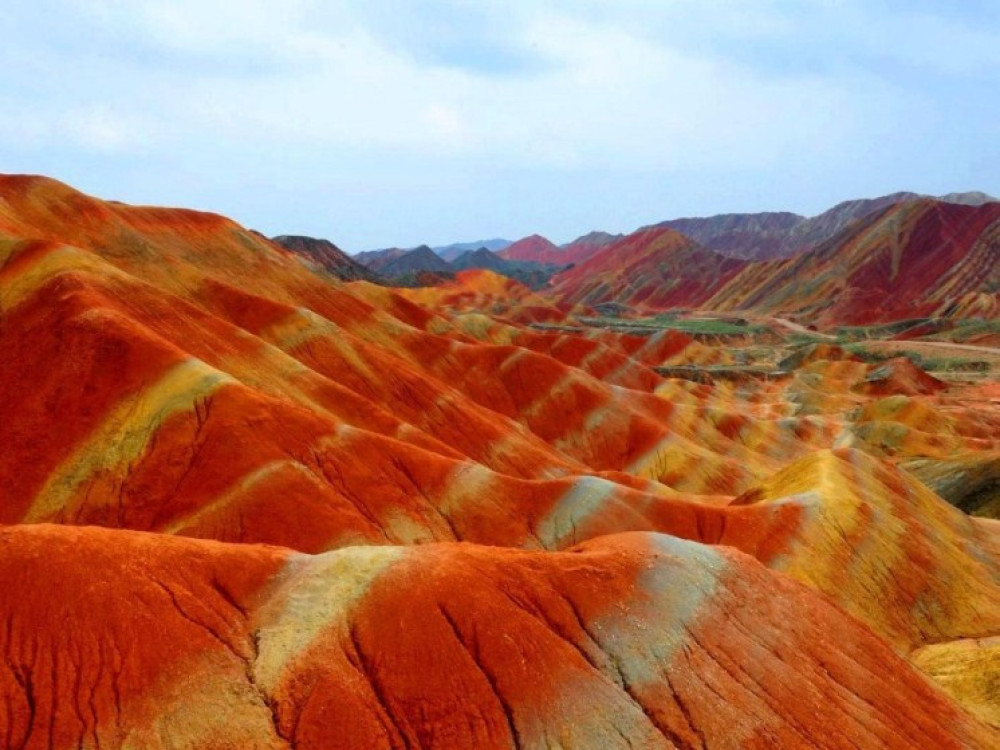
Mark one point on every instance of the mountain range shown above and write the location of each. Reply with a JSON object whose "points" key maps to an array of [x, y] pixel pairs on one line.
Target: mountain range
{"points": [[455, 250], [247, 504], [910, 258], [764, 236], [327, 256], [897, 256], [750, 236]]}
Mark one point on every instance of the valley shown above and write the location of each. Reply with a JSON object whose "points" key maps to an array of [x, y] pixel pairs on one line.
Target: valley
{"points": [[254, 494]]}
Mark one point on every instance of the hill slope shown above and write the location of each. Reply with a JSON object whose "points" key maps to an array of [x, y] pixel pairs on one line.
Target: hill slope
{"points": [[327, 256], [911, 259], [456, 249], [766, 236], [655, 268], [534, 248], [277, 510], [413, 261]]}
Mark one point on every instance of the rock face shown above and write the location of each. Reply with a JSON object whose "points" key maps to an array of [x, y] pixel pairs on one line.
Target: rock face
{"points": [[456, 249], [586, 246], [327, 256], [481, 258], [760, 236], [245, 506], [654, 268], [534, 248], [766, 236], [971, 198], [376, 260], [631, 640], [912, 259], [413, 261]]}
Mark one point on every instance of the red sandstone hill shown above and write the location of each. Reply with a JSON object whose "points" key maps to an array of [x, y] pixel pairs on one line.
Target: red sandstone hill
{"points": [[327, 256], [771, 235], [537, 249], [534, 248], [244, 504], [587, 245], [636, 640], [914, 258], [654, 269]]}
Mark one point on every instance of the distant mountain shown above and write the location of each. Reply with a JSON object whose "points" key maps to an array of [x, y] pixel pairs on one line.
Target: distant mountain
{"points": [[587, 245], [912, 258], [532, 275], [916, 258], [414, 261], [450, 252], [481, 258], [770, 235], [757, 236], [376, 260], [654, 268], [971, 198], [534, 248], [327, 256]]}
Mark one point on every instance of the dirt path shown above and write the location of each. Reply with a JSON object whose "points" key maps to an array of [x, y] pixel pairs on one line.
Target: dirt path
{"points": [[800, 328]]}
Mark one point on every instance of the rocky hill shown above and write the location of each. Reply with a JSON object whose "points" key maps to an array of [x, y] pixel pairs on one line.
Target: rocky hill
{"points": [[766, 236], [245, 505], [456, 249], [413, 261], [914, 258], [327, 256]]}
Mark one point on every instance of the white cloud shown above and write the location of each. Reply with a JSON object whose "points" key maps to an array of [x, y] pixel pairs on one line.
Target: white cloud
{"points": [[608, 93], [100, 128]]}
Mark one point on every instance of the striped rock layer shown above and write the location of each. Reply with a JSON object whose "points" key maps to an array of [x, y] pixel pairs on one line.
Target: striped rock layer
{"points": [[914, 258], [246, 505]]}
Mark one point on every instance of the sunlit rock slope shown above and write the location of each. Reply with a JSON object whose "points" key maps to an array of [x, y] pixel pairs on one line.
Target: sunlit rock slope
{"points": [[245, 504]]}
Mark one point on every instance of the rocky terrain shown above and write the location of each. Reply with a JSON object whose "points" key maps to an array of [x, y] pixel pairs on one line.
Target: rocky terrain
{"points": [[766, 236], [456, 249], [246, 504], [911, 259], [327, 256]]}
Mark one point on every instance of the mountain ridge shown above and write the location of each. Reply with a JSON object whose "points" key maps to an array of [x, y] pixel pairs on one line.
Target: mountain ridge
{"points": [[246, 504], [770, 235], [909, 258]]}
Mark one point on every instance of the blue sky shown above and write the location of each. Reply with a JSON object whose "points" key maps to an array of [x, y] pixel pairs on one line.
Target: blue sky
{"points": [[384, 123]]}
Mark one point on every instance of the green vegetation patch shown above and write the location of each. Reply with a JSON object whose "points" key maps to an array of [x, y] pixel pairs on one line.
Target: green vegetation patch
{"points": [[693, 326], [928, 364]]}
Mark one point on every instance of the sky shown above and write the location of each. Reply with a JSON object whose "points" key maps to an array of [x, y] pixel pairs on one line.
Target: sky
{"points": [[376, 123]]}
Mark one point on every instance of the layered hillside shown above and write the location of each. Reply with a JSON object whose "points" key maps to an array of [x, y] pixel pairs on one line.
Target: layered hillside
{"points": [[245, 504], [377, 259], [534, 248], [480, 258], [456, 249], [327, 256], [423, 267], [414, 261], [760, 236], [912, 259], [654, 268], [537, 249], [767, 236], [584, 246]]}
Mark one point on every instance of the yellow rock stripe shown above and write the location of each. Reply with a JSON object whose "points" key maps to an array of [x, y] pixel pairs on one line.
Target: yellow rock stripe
{"points": [[120, 440]]}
